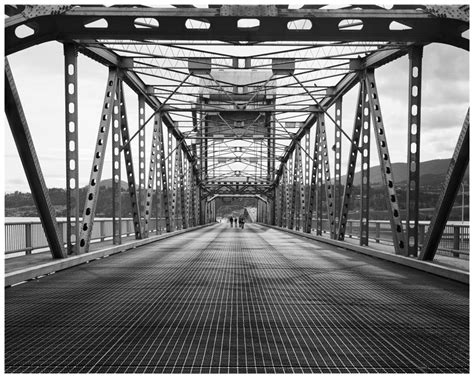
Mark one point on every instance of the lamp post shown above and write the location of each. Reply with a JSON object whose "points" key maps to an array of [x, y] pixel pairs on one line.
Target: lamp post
{"points": [[462, 203]]}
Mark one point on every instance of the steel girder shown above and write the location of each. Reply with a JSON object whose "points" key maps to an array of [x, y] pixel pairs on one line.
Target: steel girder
{"points": [[314, 182], [365, 169], [337, 163], [182, 195], [141, 154], [165, 181], [351, 165], [29, 159], [127, 153], [50, 24], [72, 147], [327, 174], [454, 176], [98, 162], [116, 170], [413, 150], [385, 164]]}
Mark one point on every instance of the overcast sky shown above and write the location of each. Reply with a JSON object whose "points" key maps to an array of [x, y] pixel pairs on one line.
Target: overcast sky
{"points": [[38, 73]]}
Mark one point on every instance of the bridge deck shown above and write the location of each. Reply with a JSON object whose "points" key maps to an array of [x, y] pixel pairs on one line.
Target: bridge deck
{"points": [[231, 300]]}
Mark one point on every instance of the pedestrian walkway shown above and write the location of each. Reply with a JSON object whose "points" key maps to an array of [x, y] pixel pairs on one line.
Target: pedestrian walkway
{"points": [[227, 300]]}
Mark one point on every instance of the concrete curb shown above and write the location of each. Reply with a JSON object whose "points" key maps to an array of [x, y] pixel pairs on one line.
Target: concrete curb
{"points": [[18, 276], [451, 273]]}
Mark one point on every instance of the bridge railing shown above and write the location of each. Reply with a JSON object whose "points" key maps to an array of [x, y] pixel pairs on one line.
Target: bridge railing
{"points": [[26, 237], [454, 242]]}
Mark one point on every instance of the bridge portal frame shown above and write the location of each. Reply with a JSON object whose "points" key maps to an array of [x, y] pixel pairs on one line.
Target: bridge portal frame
{"points": [[70, 25]]}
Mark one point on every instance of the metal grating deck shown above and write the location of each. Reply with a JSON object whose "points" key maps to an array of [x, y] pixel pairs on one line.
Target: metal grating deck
{"points": [[225, 300]]}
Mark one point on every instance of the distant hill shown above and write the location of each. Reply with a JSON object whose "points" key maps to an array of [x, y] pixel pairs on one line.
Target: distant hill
{"points": [[432, 172], [108, 184]]}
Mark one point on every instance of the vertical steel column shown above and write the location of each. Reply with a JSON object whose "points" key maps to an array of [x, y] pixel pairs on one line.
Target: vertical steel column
{"points": [[454, 176], [141, 154], [351, 165], [413, 152], [159, 212], [365, 170], [171, 176], [127, 153], [313, 187], [72, 149], [319, 201], [155, 145], [385, 165], [327, 174], [184, 221], [294, 190], [192, 202], [164, 176], [175, 204], [198, 204], [302, 204], [289, 193], [306, 177], [116, 170], [29, 159], [337, 164], [284, 196], [98, 162]]}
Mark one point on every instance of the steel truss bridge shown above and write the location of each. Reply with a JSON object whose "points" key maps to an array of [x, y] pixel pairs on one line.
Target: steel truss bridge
{"points": [[242, 98]]}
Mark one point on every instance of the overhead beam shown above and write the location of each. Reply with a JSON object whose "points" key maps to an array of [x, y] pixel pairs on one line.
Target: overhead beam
{"points": [[50, 24]]}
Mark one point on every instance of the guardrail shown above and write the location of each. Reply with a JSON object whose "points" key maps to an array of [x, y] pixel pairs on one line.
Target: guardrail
{"points": [[454, 242], [29, 236]]}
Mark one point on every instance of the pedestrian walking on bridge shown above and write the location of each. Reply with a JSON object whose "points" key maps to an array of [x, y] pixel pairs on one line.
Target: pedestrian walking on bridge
{"points": [[231, 220]]}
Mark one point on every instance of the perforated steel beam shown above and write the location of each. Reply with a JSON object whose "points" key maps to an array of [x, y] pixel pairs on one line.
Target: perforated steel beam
{"points": [[351, 166], [182, 194], [155, 155], [98, 162], [413, 150], [314, 183], [454, 176], [327, 174], [116, 171], [127, 154], [141, 154], [385, 165], [29, 159], [364, 170], [164, 174], [72, 147], [307, 181], [319, 185], [422, 27], [337, 164], [294, 187], [302, 207], [284, 197]]}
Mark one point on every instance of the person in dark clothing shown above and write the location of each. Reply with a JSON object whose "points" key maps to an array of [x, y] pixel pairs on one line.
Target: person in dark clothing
{"points": [[241, 222], [231, 220]]}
